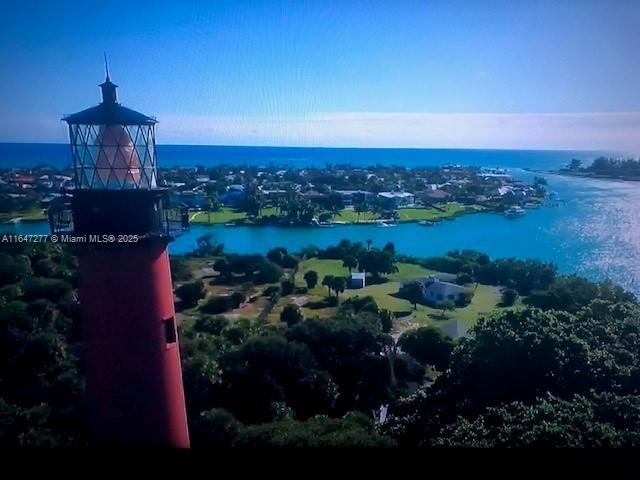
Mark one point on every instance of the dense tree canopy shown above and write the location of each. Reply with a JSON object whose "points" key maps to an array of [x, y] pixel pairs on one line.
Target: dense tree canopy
{"points": [[564, 371]]}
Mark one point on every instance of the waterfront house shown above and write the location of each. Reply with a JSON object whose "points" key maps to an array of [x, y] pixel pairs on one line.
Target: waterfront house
{"points": [[189, 199], [351, 197], [358, 280], [233, 196], [397, 199], [436, 194]]}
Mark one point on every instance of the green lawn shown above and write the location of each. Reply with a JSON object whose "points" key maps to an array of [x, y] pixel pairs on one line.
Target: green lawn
{"points": [[31, 215], [485, 300], [226, 215], [349, 215], [406, 214], [418, 214]]}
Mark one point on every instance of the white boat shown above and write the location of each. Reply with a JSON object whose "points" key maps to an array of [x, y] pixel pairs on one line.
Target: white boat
{"points": [[514, 212], [384, 224]]}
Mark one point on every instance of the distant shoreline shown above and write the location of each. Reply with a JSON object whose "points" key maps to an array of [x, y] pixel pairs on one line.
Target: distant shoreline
{"points": [[567, 173]]}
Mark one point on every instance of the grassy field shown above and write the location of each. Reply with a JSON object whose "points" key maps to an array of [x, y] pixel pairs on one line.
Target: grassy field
{"points": [[226, 215], [418, 214], [407, 214], [444, 211], [31, 215], [485, 300], [349, 215]]}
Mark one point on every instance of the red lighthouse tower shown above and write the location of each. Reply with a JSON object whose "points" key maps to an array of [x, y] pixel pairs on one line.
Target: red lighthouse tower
{"points": [[134, 381]]}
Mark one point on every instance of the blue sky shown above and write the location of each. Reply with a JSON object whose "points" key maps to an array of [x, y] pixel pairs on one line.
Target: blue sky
{"points": [[500, 74]]}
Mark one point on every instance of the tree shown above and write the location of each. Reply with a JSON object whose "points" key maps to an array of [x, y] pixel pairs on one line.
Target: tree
{"points": [[287, 286], [509, 297], [291, 315], [206, 246], [414, 292], [223, 267], [369, 242], [180, 270], [525, 355], [311, 277], [351, 348], [217, 304], [447, 306], [215, 428], [594, 421], [427, 345], [327, 281], [213, 205], [350, 262], [390, 247], [268, 369], [464, 278], [268, 272], [276, 255], [190, 293], [377, 262], [386, 319], [338, 285], [352, 430], [575, 164], [360, 208]]}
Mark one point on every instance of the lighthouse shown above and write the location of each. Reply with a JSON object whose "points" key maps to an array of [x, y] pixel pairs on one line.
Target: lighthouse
{"points": [[134, 386]]}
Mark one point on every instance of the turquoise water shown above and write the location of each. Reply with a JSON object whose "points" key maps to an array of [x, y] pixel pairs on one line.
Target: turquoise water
{"points": [[595, 234]]}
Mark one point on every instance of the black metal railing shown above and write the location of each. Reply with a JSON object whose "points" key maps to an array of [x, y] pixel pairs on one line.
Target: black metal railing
{"points": [[171, 222], [175, 221], [60, 218]]}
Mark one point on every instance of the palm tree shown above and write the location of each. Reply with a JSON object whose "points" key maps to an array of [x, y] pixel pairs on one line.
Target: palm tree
{"points": [[369, 242], [350, 262], [213, 205], [360, 208], [327, 281]]}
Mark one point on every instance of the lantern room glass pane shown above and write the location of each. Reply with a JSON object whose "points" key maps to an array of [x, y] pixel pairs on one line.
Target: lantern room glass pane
{"points": [[114, 156]]}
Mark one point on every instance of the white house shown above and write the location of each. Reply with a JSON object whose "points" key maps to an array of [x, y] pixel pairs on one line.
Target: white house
{"points": [[358, 280], [398, 199], [438, 291]]}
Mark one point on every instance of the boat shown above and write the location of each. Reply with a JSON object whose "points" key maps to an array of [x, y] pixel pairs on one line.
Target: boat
{"points": [[514, 212], [384, 224], [426, 223]]}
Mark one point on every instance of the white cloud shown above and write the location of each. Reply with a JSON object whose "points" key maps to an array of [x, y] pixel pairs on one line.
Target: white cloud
{"points": [[588, 131]]}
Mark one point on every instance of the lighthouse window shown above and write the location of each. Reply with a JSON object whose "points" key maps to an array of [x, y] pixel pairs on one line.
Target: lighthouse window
{"points": [[169, 330]]}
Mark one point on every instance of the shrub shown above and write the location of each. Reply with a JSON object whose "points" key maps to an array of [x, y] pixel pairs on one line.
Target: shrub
{"points": [[287, 287], [190, 293], [311, 277], [211, 325], [291, 314], [47, 288], [509, 297], [428, 346], [217, 304], [237, 298], [271, 290], [464, 299], [464, 278], [289, 261]]}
